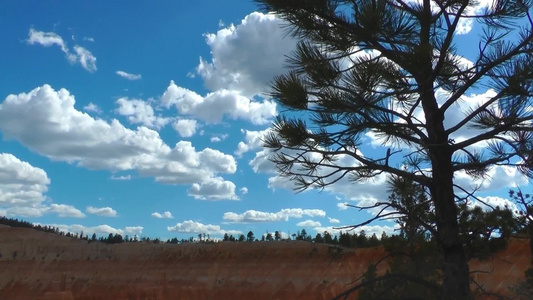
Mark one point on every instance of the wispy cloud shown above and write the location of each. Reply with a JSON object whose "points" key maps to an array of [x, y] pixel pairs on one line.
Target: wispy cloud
{"points": [[123, 177], [48, 39], [129, 76]]}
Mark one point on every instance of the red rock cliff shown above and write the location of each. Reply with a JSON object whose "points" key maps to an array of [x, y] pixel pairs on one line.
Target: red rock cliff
{"points": [[38, 265]]}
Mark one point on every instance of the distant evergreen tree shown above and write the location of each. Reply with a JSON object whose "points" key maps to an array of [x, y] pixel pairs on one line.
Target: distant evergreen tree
{"points": [[318, 238], [241, 238], [250, 236]]}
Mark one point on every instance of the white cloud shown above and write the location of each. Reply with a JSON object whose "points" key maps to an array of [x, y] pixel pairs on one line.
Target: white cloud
{"points": [[490, 202], [497, 178], [165, 215], [46, 121], [91, 107], [140, 112], [368, 229], [99, 230], [334, 221], [368, 191], [47, 39], [343, 206], [309, 223], [133, 230], [123, 177], [101, 211], [197, 227], [215, 106], [22, 187], [253, 141], [465, 25], [244, 190], [214, 189], [86, 58], [219, 138], [129, 76], [252, 216], [246, 57], [185, 127], [65, 211]]}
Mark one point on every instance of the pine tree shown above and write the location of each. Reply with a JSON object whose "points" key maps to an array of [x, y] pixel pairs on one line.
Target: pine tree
{"points": [[375, 66]]}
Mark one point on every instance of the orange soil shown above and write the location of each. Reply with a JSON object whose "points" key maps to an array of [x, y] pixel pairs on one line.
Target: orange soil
{"points": [[48, 266]]}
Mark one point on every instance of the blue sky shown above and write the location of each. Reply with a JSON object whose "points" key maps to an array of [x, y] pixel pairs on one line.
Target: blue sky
{"points": [[143, 118]]}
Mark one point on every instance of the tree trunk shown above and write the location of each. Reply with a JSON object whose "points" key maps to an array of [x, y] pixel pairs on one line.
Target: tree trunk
{"points": [[456, 278]]}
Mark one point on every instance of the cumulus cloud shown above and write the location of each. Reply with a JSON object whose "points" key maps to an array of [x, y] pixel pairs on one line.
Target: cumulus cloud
{"points": [[218, 138], [308, 223], [23, 188], [133, 230], [368, 191], [343, 206], [368, 229], [91, 107], [101, 211], [190, 226], [254, 216], [252, 140], [334, 221], [244, 190], [165, 215], [47, 39], [65, 211], [246, 57], [497, 178], [465, 25], [99, 230], [140, 112], [46, 121], [216, 105], [493, 202], [128, 76], [214, 189], [185, 127]]}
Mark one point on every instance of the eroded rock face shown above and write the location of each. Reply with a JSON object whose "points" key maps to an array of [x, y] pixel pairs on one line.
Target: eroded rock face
{"points": [[38, 265]]}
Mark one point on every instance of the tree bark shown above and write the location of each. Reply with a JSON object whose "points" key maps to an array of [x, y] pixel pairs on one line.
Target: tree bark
{"points": [[456, 278]]}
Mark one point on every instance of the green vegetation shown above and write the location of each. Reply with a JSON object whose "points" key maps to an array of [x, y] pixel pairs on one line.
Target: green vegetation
{"points": [[391, 69]]}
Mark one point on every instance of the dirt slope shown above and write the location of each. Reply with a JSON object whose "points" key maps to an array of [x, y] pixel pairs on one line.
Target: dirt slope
{"points": [[38, 265]]}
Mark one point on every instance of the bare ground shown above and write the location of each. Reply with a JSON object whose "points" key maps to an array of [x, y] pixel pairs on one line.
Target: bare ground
{"points": [[38, 265]]}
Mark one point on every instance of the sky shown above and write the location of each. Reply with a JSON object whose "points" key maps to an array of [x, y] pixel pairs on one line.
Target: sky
{"points": [[145, 118]]}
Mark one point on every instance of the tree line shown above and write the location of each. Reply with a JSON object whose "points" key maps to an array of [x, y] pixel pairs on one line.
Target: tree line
{"points": [[345, 239]]}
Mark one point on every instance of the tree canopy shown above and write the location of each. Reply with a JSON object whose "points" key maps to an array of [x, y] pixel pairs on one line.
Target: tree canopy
{"points": [[391, 69]]}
